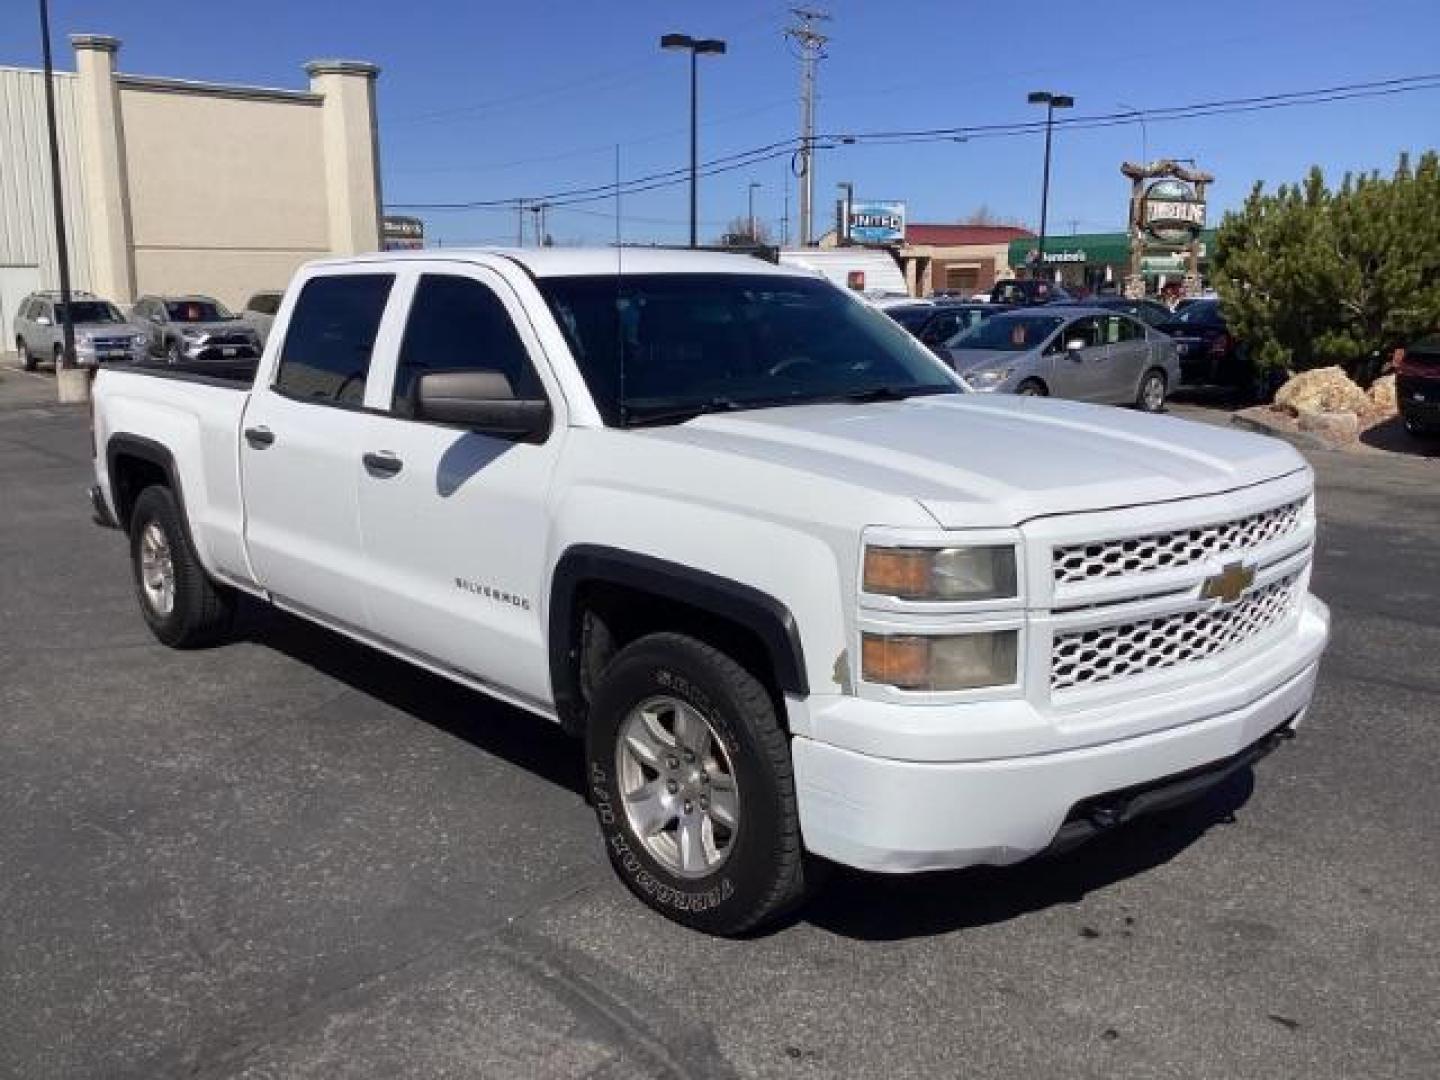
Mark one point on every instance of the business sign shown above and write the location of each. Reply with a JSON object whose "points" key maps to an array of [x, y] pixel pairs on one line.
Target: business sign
{"points": [[401, 233], [876, 223], [1171, 212]]}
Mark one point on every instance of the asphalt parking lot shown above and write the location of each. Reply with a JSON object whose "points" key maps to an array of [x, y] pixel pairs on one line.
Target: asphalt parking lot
{"points": [[292, 857]]}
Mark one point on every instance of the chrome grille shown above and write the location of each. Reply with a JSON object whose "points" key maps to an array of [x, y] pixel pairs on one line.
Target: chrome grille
{"points": [[1079, 563], [1084, 658]]}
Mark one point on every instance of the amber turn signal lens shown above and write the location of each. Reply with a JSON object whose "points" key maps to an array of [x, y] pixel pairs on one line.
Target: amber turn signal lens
{"points": [[902, 572], [895, 661]]}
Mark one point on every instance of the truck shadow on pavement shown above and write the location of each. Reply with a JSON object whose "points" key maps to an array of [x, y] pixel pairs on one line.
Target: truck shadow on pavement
{"points": [[508, 733], [872, 907]]}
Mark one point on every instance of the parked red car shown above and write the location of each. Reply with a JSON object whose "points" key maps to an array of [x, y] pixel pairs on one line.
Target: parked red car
{"points": [[1417, 385]]}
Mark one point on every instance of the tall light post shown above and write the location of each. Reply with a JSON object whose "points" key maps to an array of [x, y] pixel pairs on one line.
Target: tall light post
{"points": [[750, 199], [1051, 102], [695, 46], [63, 377]]}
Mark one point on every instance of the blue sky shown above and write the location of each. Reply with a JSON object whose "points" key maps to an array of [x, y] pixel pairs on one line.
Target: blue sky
{"points": [[483, 100]]}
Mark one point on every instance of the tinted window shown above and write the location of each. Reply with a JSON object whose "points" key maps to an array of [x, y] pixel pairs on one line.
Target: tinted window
{"points": [[912, 318], [1011, 333], [264, 303], [457, 324], [89, 311], [711, 342], [1118, 328], [1201, 311], [332, 330], [200, 309]]}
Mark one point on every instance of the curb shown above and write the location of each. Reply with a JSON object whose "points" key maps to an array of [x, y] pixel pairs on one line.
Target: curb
{"points": [[1301, 439]]}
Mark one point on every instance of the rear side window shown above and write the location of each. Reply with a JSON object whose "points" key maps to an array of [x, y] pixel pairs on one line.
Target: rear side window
{"points": [[326, 355], [458, 324]]}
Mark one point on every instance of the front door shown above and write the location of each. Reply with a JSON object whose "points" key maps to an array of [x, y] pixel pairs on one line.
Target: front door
{"points": [[455, 522], [300, 450], [1079, 374]]}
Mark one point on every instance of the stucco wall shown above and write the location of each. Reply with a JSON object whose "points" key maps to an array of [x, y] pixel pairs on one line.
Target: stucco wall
{"points": [[227, 190]]}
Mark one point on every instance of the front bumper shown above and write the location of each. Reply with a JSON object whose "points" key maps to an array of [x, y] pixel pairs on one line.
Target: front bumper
{"points": [[900, 815]]}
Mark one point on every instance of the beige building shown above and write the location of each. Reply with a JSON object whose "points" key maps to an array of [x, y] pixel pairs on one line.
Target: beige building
{"points": [[178, 186], [959, 258]]}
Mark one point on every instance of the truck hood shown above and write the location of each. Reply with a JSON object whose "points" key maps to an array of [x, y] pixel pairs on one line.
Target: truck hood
{"points": [[976, 461]]}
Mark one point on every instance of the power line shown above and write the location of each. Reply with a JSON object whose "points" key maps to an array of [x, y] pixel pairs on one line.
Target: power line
{"points": [[787, 147]]}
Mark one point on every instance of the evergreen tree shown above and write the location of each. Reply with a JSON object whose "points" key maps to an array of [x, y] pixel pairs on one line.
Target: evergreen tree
{"points": [[1311, 276]]}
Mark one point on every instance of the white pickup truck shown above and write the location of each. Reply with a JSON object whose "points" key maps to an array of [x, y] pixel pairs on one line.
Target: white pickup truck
{"points": [[805, 599]]}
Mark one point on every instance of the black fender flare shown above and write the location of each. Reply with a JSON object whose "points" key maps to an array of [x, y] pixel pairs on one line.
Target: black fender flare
{"points": [[738, 603], [148, 450]]}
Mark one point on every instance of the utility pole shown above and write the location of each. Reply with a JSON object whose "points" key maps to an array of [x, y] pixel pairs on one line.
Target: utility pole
{"points": [[520, 223], [754, 239], [812, 50], [842, 227], [68, 386]]}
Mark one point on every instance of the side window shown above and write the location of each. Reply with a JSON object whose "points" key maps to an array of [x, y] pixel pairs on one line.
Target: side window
{"points": [[458, 324], [1130, 330], [326, 355], [1087, 330]]}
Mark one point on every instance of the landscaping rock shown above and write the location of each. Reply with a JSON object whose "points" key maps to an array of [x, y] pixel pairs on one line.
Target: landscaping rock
{"points": [[1324, 390], [1337, 426], [1383, 403]]}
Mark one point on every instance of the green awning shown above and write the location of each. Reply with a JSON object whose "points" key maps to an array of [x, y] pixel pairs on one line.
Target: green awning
{"points": [[1087, 249]]}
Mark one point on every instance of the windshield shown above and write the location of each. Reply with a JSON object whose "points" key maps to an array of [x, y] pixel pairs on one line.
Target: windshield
{"points": [[656, 347], [89, 311], [198, 310], [1008, 333]]}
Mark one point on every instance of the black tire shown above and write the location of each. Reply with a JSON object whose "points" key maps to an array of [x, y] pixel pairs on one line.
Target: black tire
{"points": [[22, 352], [764, 872], [201, 611], [1145, 399], [1032, 388]]}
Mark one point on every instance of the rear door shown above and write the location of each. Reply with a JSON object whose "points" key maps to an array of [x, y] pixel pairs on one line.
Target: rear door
{"points": [[1128, 354], [455, 521], [300, 449]]}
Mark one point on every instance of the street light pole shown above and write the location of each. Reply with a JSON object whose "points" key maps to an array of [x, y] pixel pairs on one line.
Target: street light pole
{"points": [[754, 239], [695, 46], [1051, 103], [57, 193], [842, 234]]}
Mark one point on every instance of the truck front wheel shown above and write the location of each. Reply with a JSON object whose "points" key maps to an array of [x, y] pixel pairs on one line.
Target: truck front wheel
{"points": [[182, 606], [691, 780]]}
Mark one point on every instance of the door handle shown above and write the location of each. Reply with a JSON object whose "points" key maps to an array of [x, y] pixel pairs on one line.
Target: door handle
{"points": [[259, 437], [382, 463]]}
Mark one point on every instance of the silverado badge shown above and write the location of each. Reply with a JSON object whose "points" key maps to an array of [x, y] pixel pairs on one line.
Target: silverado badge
{"points": [[1230, 584]]}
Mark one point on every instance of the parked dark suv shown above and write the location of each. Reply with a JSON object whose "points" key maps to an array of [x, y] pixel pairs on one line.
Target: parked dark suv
{"points": [[1417, 385]]}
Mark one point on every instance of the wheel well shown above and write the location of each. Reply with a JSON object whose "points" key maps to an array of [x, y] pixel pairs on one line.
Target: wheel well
{"points": [[610, 616], [131, 474], [1035, 380]]}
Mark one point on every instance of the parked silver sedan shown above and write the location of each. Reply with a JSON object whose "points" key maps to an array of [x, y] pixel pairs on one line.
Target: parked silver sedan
{"points": [[1085, 354]]}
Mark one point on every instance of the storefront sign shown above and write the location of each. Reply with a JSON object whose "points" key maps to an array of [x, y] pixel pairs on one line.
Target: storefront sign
{"points": [[1172, 213], [402, 233], [876, 223], [1077, 256]]}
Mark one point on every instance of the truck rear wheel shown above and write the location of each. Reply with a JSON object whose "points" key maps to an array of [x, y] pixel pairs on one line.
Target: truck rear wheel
{"points": [[690, 775], [22, 351], [182, 606]]}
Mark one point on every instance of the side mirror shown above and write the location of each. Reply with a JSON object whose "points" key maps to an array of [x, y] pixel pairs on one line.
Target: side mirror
{"points": [[42, 320], [481, 400]]}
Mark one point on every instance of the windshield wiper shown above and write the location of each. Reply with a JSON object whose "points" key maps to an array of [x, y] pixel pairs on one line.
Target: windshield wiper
{"points": [[885, 393], [680, 413]]}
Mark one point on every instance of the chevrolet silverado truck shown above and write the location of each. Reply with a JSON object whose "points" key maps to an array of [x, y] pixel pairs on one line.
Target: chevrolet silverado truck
{"points": [[805, 599]]}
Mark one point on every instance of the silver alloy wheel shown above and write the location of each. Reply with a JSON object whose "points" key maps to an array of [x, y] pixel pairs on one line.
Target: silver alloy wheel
{"points": [[1153, 393], [677, 786], [157, 570]]}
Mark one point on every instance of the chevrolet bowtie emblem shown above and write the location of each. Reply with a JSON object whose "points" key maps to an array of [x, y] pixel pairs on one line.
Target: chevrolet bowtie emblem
{"points": [[1230, 584]]}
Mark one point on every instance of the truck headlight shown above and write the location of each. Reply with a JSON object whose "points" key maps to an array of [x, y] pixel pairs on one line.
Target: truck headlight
{"points": [[986, 380], [957, 573], [951, 662]]}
